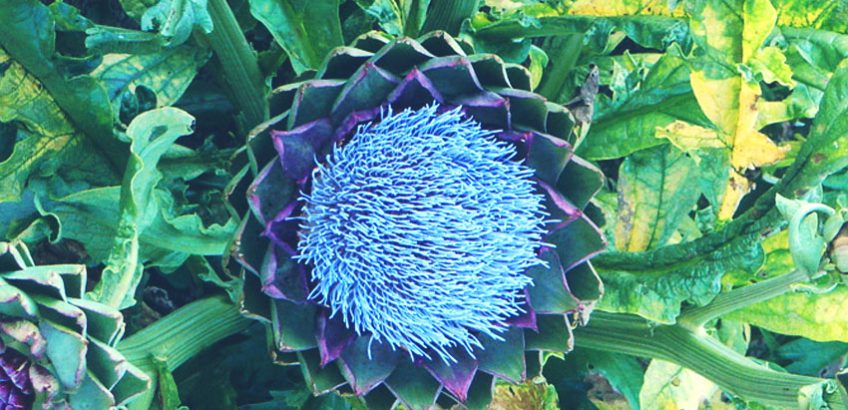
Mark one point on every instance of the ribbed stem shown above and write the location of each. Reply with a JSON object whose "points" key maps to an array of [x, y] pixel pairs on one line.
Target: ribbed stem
{"points": [[739, 298], [448, 15], [725, 367], [180, 336], [563, 60], [238, 63]]}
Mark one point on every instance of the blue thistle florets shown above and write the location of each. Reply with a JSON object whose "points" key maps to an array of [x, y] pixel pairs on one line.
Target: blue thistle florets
{"points": [[420, 229]]}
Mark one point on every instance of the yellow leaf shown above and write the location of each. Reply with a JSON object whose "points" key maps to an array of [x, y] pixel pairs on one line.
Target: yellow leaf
{"points": [[737, 187], [690, 138], [731, 36], [624, 8], [718, 99]]}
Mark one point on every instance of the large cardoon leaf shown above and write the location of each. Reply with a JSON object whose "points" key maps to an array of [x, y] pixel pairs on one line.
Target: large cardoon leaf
{"points": [[30, 40], [167, 73], [628, 123], [668, 385], [661, 290], [397, 17], [307, 30], [176, 19], [655, 192], [151, 133], [42, 140]]}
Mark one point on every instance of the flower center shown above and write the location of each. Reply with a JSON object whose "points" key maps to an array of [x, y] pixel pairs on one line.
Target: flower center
{"points": [[420, 229]]}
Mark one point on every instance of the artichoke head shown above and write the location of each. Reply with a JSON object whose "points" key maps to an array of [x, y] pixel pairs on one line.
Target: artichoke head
{"points": [[58, 349], [314, 306]]}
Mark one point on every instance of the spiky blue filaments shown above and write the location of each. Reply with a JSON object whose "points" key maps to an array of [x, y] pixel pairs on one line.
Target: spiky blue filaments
{"points": [[419, 231]]}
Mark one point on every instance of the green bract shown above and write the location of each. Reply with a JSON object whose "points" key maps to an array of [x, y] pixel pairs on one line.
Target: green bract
{"points": [[69, 342], [354, 87]]}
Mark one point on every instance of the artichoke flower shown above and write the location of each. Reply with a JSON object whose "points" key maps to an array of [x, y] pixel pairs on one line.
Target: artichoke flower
{"points": [[57, 348], [415, 228]]}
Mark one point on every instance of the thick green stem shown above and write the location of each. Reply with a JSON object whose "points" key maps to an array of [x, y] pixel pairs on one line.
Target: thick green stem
{"points": [[739, 298], [725, 367], [563, 59], [180, 336], [448, 15], [238, 63]]}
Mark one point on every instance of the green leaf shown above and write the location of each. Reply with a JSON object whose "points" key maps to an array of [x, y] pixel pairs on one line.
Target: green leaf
{"points": [[627, 125], [655, 291], [47, 142], [167, 73], [30, 40], [151, 133], [671, 387], [91, 217], [814, 55], [731, 37], [655, 192], [448, 15], [397, 17], [820, 317], [826, 149], [623, 372], [307, 30], [811, 358], [168, 394], [105, 39], [135, 8], [824, 15], [176, 19]]}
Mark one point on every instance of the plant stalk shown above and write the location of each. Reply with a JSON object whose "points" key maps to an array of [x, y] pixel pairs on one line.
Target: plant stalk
{"points": [[448, 15], [238, 63], [180, 336], [733, 372], [739, 298]]}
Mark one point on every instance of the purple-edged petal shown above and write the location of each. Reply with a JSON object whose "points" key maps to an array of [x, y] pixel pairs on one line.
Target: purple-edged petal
{"points": [[581, 181], [559, 123], [585, 284], [456, 377], [333, 336], [453, 76], [415, 91], [293, 325], [271, 192], [577, 241], [504, 358], [282, 277], [488, 108], [342, 61], [442, 44], [548, 155], [490, 70], [528, 109], [401, 55], [550, 293], [554, 335], [527, 319], [367, 89], [313, 101], [27, 333], [352, 121], [299, 147], [366, 363], [561, 209], [282, 230], [519, 76]]}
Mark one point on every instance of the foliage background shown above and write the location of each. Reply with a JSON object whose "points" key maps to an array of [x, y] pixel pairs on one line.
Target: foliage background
{"points": [[705, 113]]}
